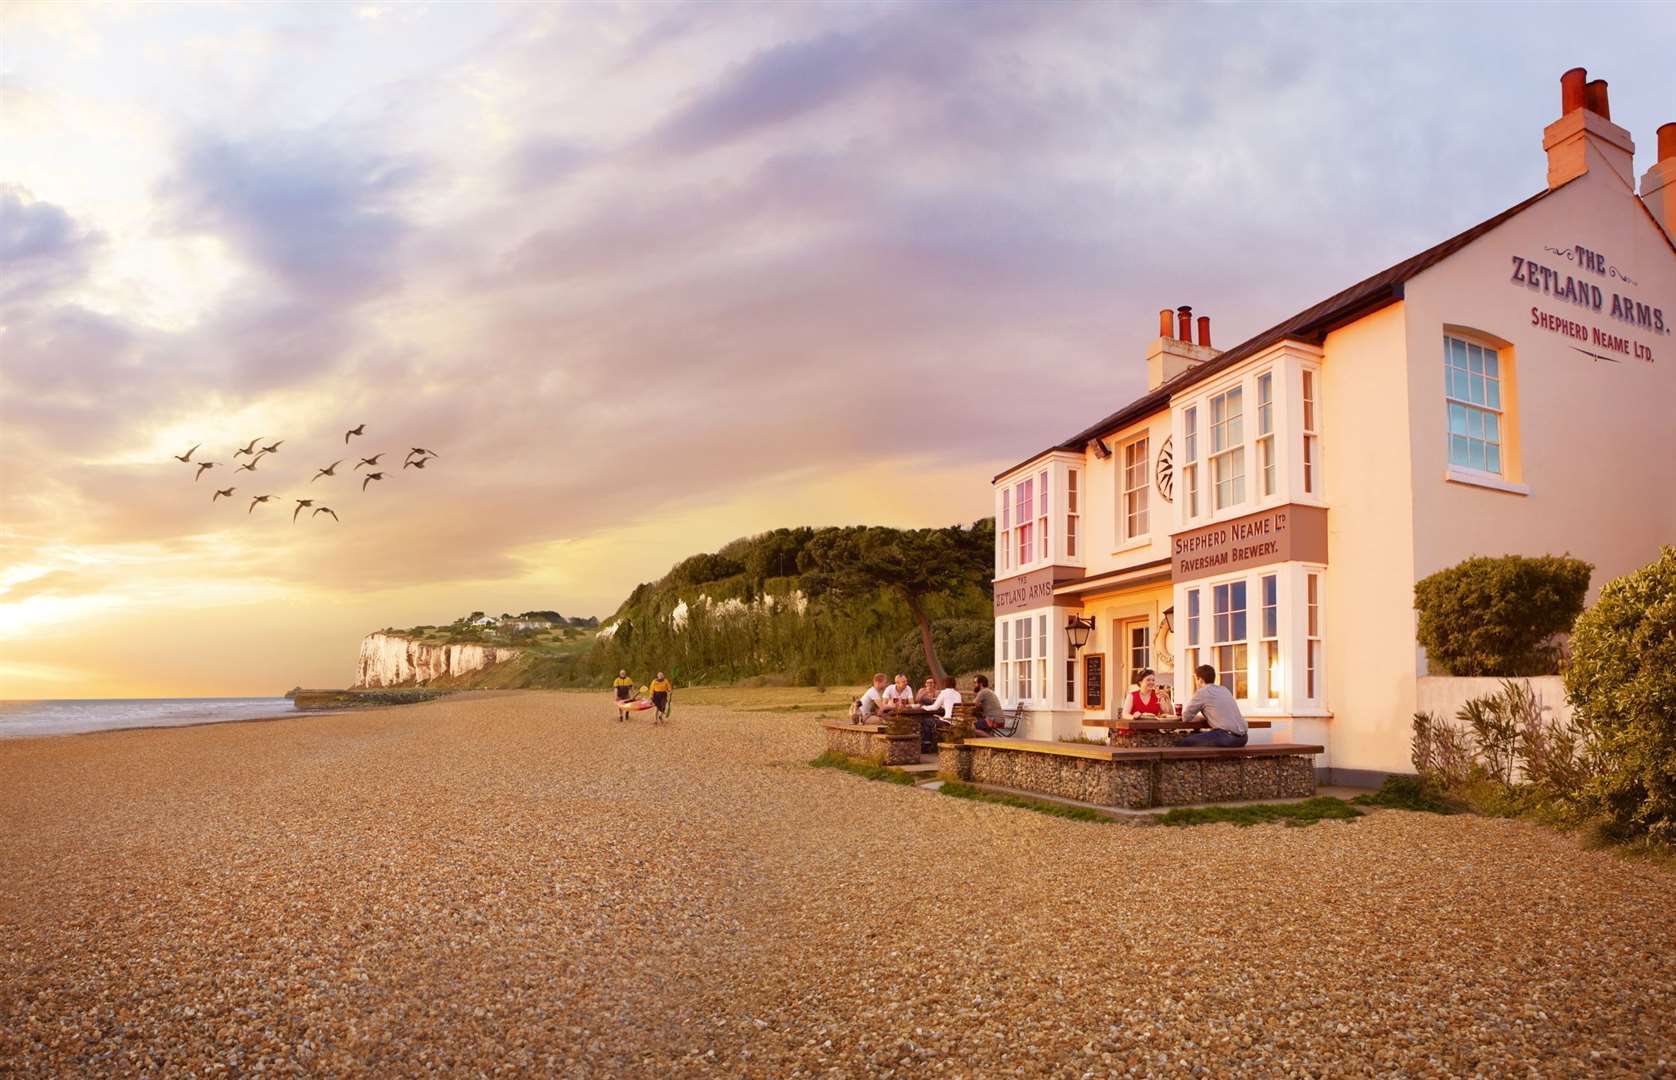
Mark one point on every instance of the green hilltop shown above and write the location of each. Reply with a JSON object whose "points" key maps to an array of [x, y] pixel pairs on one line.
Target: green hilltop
{"points": [[807, 606]]}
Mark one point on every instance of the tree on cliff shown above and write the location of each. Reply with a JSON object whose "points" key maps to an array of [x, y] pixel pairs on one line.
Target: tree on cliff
{"points": [[915, 563]]}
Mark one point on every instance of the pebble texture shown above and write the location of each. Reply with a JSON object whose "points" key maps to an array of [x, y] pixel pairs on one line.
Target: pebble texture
{"points": [[523, 885]]}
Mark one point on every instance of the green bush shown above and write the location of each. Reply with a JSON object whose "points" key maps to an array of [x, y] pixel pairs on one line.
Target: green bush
{"points": [[1498, 616], [1622, 687]]}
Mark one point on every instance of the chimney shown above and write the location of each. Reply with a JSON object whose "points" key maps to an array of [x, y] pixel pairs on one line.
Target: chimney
{"points": [[1658, 186], [1584, 138], [1174, 351]]}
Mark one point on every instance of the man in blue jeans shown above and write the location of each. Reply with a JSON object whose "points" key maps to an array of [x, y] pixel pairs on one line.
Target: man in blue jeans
{"points": [[1213, 701]]}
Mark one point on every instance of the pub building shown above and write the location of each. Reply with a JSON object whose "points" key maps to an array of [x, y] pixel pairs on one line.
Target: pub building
{"points": [[1267, 508]]}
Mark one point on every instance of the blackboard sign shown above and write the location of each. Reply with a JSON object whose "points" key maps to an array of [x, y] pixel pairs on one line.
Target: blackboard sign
{"points": [[1094, 681]]}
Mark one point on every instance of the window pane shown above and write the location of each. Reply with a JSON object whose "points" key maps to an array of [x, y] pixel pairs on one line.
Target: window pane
{"points": [[1475, 423], [1458, 454], [1492, 459], [1457, 352], [1457, 419], [1492, 364], [1475, 360], [1475, 454], [1492, 427], [1492, 394]]}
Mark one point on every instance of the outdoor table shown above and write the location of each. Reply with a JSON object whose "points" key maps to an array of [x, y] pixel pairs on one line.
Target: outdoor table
{"points": [[1163, 731]]}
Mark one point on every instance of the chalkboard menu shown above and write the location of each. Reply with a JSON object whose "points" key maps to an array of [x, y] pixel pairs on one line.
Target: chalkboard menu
{"points": [[1094, 681]]}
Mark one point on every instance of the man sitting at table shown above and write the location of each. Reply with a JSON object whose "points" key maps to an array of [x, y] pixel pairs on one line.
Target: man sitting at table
{"points": [[899, 694], [991, 715], [872, 703], [1212, 701]]}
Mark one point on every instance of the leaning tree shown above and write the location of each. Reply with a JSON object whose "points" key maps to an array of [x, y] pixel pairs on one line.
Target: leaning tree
{"points": [[916, 564]]}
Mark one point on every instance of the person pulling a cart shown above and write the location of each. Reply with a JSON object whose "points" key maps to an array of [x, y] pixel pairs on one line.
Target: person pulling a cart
{"points": [[661, 689]]}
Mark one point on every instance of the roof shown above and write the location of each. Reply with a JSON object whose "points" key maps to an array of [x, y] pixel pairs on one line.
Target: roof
{"points": [[1311, 325]]}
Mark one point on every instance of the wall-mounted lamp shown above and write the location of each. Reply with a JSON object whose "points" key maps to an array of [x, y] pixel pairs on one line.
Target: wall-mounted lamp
{"points": [[1167, 624], [1101, 450], [1077, 631]]}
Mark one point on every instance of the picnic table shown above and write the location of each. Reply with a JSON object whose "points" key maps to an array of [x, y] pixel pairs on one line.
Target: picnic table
{"points": [[1164, 731]]}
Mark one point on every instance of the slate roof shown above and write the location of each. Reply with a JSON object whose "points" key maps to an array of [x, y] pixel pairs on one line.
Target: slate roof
{"points": [[1310, 325]]}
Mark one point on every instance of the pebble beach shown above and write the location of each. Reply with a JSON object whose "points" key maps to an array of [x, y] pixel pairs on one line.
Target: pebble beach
{"points": [[515, 883]]}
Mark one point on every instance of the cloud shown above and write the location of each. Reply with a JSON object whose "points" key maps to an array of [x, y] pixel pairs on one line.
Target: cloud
{"points": [[42, 248]]}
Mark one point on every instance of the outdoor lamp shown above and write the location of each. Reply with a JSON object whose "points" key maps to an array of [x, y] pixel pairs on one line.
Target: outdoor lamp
{"points": [[1077, 631], [1166, 625]]}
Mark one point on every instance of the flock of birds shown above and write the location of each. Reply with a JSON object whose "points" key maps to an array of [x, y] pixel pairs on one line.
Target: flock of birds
{"points": [[417, 458]]}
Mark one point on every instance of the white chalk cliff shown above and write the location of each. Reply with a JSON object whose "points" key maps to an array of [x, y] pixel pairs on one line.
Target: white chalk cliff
{"points": [[393, 660]]}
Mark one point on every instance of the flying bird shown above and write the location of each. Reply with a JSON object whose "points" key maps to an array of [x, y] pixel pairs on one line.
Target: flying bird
{"points": [[202, 465], [370, 478], [356, 430], [423, 452], [369, 460], [325, 510], [273, 448], [257, 499], [228, 492], [187, 457], [416, 463], [249, 466], [249, 447], [327, 471], [300, 504]]}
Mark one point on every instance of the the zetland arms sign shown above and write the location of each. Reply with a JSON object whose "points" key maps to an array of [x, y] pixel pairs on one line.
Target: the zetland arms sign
{"points": [[1640, 320], [1290, 533]]}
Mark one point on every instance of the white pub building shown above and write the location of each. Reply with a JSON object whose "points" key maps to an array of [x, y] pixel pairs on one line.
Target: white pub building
{"points": [[1267, 509]]}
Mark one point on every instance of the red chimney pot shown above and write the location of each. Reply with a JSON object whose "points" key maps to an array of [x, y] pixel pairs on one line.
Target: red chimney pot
{"points": [[1204, 331], [1667, 141], [1184, 313], [1166, 323], [1573, 90], [1597, 99]]}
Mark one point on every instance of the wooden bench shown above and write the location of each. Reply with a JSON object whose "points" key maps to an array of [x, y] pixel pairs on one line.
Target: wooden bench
{"points": [[1141, 777], [885, 744]]}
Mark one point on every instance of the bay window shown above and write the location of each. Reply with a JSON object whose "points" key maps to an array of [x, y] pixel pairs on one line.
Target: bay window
{"points": [[1312, 639], [1041, 656], [1228, 627], [1073, 513], [1311, 435], [1025, 510], [1271, 636], [1022, 664], [1004, 539], [1265, 431], [1190, 460], [1042, 516], [1227, 448], [1192, 654]]}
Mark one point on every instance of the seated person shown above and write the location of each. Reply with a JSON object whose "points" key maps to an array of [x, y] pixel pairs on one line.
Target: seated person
{"points": [[898, 694], [927, 693], [946, 699], [991, 715], [1144, 701], [1212, 701], [872, 703]]}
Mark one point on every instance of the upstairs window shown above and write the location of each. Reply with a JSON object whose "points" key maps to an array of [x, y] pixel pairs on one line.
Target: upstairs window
{"points": [[1227, 448], [1042, 517], [1073, 511], [1472, 394], [1024, 510], [1136, 514], [1265, 431], [1004, 540], [1311, 434], [1190, 459]]}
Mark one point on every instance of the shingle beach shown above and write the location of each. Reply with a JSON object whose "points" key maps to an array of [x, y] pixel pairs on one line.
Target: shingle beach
{"points": [[519, 884]]}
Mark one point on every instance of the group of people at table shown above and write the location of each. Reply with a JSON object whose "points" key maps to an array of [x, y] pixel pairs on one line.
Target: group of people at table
{"points": [[1212, 706]]}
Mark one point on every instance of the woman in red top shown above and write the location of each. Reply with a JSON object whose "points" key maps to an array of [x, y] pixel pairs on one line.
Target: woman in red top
{"points": [[1144, 702]]}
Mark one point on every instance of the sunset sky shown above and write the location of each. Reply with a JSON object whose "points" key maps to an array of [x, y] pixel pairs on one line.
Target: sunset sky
{"points": [[653, 276]]}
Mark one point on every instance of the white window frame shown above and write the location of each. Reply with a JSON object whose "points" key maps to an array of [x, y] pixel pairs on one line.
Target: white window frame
{"points": [[1477, 398], [1311, 430], [1042, 657], [1006, 534], [1265, 435], [1273, 657], [1227, 449], [1045, 552], [1134, 505], [1023, 667], [1073, 511], [1232, 651], [1190, 459], [1194, 614], [1314, 668], [1024, 506]]}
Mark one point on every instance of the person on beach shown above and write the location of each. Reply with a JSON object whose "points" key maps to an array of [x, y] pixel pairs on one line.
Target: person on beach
{"points": [[661, 688], [872, 703], [623, 690], [991, 714], [1213, 701], [927, 693], [1144, 701]]}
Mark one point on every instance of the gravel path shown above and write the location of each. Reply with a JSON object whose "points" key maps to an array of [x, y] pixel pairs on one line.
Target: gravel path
{"points": [[520, 884]]}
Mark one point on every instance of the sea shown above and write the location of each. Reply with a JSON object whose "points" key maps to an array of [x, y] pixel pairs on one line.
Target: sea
{"points": [[21, 719]]}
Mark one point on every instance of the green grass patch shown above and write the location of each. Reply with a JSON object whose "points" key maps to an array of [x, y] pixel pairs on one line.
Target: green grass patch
{"points": [[1406, 793], [1320, 808], [1041, 806], [867, 769]]}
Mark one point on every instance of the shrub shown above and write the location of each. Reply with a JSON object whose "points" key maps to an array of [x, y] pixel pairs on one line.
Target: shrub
{"points": [[1407, 793], [1440, 751], [1622, 687], [1498, 616], [1494, 730]]}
